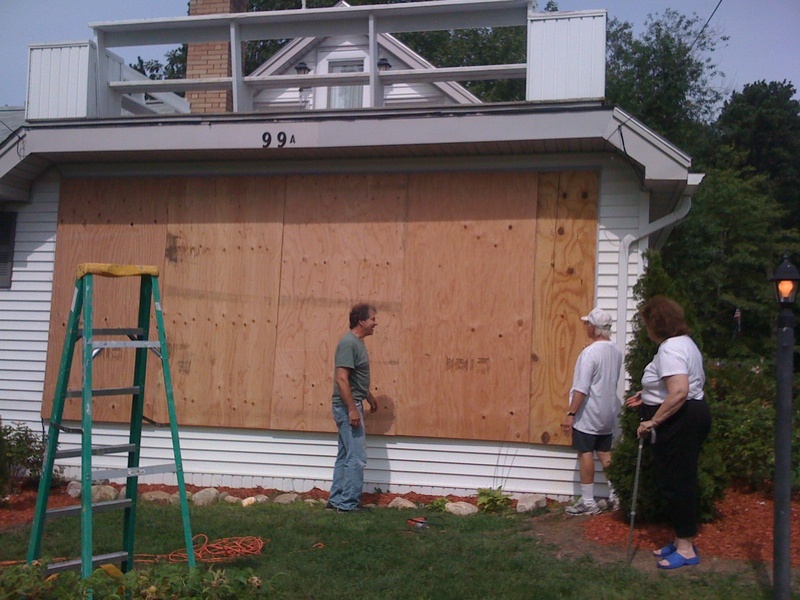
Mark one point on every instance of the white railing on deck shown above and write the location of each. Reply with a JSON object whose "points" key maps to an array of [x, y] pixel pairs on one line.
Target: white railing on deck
{"points": [[565, 55]]}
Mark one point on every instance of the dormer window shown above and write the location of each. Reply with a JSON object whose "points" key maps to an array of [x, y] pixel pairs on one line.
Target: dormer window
{"points": [[346, 96]]}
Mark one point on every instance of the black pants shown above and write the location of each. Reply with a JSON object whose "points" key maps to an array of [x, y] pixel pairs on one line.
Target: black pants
{"points": [[676, 453]]}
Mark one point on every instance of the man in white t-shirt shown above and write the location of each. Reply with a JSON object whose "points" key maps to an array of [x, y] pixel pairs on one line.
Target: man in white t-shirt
{"points": [[593, 406]]}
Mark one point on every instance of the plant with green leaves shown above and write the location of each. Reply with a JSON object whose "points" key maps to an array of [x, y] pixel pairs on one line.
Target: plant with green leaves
{"points": [[109, 583], [493, 500], [22, 453], [439, 504]]}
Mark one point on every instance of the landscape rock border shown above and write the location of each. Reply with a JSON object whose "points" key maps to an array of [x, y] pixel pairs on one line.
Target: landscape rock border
{"points": [[103, 491]]}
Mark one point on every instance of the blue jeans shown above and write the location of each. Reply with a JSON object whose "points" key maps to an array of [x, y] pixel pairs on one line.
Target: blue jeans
{"points": [[348, 471]]}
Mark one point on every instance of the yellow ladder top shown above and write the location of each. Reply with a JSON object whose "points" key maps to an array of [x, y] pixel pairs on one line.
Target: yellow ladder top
{"points": [[114, 270]]}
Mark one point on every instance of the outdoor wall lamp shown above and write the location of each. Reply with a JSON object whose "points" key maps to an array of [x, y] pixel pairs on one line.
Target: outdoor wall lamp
{"points": [[384, 64], [785, 279], [302, 68]]}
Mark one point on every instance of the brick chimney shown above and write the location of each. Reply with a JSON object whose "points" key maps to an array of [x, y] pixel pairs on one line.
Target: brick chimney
{"points": [[211, 59]]}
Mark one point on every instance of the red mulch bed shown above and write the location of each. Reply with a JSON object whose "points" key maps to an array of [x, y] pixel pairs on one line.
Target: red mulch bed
{"points": [[743, 531]]}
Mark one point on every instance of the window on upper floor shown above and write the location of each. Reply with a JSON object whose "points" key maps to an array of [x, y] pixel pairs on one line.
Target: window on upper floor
{"points": [[346, 96], [8, 226]]}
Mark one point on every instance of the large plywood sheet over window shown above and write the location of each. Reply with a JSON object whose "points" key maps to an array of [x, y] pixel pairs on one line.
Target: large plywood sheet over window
{"points": [[467, 307], [343, 243], [564, 275], [105, 221], [221, 284], [479, 280]]}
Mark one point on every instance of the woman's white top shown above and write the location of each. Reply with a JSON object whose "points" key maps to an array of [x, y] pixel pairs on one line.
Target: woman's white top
{"points": [[676, 356]]}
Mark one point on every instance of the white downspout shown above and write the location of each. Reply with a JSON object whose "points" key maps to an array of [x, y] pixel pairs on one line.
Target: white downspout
{"points": [[622, 274]]}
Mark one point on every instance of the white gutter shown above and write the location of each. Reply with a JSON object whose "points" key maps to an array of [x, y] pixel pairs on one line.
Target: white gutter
{"points": [[679, 213]]}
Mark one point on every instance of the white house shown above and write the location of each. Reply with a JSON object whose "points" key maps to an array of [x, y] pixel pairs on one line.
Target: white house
{"points": [[345, 168]]}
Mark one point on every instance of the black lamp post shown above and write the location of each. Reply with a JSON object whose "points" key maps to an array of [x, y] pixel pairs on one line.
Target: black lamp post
{"points": [[786, 279]]}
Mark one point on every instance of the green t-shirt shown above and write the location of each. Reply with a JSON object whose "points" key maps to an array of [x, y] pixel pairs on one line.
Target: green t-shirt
{"points": [[351, 353]]}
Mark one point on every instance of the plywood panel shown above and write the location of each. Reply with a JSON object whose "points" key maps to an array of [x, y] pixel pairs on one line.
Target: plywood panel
{"points": [[564, 281], [221, 283], [343, 243], [467, 305], [107, 221]]}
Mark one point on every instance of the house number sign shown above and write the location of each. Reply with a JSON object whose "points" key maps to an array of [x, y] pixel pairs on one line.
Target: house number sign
{"points": [[280, 140]]}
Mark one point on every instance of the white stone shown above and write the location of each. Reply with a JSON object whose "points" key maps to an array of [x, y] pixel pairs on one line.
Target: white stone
{"points": [[401, 502], [157, 497], [232, 499], [529, 502], [461, 508], [262, 498], [286, 498], [205, 497], [103, 493], [74, 489], [248, 501]]}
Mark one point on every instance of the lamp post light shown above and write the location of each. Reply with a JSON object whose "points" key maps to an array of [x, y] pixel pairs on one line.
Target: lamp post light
{"points": [[786, 279]]}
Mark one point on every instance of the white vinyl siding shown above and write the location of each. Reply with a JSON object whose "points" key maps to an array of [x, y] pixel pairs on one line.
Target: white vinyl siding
{"points": [[25, 307]]}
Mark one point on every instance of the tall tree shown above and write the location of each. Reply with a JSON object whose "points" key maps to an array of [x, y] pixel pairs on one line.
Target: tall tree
{"points": [[759, 130], [723, 254], [663, 76]]}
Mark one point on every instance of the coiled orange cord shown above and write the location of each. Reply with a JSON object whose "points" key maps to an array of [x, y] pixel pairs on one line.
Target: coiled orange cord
{"points": [[221, 550]]}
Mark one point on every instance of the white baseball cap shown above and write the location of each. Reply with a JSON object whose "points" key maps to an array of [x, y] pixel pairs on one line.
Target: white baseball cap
{"points": [[599, 318]]}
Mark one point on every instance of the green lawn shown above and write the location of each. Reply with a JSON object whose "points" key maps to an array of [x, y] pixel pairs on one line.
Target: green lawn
{"points": [[313, 553]]}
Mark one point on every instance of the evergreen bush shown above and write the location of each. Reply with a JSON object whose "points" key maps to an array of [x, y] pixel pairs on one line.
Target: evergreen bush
{"points": [[712, 472], [742, 398]]}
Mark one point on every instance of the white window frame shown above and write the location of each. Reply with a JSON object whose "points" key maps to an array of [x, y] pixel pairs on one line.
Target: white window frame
{"points": [[328, 55]]}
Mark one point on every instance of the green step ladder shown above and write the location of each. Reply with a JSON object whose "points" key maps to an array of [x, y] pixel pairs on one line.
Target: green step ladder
{"points": [[137, 339]]}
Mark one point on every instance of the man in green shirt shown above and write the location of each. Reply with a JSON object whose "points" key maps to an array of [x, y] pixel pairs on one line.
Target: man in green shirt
{"points": [[350, 390]]}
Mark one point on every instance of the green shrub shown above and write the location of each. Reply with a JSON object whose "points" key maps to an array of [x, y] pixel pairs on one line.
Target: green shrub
{"points": [[650, 506], [742, 398], [160, 581], [493, 500], [438, 504], [21, 452], [712, 470]]}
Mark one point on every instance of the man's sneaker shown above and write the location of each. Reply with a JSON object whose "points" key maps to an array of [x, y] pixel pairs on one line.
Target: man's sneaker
{"points": [[581, 508]]}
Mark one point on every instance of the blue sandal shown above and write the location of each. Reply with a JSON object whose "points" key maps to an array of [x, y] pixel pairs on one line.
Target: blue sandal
{"points": [[676, 561], [665, 551], [669, 549]]}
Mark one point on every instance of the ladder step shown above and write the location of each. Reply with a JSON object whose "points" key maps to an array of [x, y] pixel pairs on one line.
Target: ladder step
{"points": [[100, 559], [130, 332], [99, 344], [96, 450], [133, 471], [68, 511], [123, 391]]}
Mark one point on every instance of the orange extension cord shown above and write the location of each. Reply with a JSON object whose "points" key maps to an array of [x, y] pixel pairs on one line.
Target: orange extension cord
{"points": [[222, 550]]}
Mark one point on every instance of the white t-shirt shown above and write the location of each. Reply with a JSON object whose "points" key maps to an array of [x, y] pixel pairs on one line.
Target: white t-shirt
{"points": [[596, 375], [676, 356]]}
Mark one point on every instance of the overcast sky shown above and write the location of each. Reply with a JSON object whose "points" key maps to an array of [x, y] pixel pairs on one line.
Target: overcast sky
{"points": [[764, 34]]}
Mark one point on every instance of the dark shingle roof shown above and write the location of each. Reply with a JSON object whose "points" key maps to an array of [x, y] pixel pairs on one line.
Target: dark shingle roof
{"points": [[11, 119]]}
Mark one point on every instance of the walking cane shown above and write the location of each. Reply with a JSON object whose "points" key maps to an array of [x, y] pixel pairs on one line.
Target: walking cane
{"points": [[636, 490]]}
